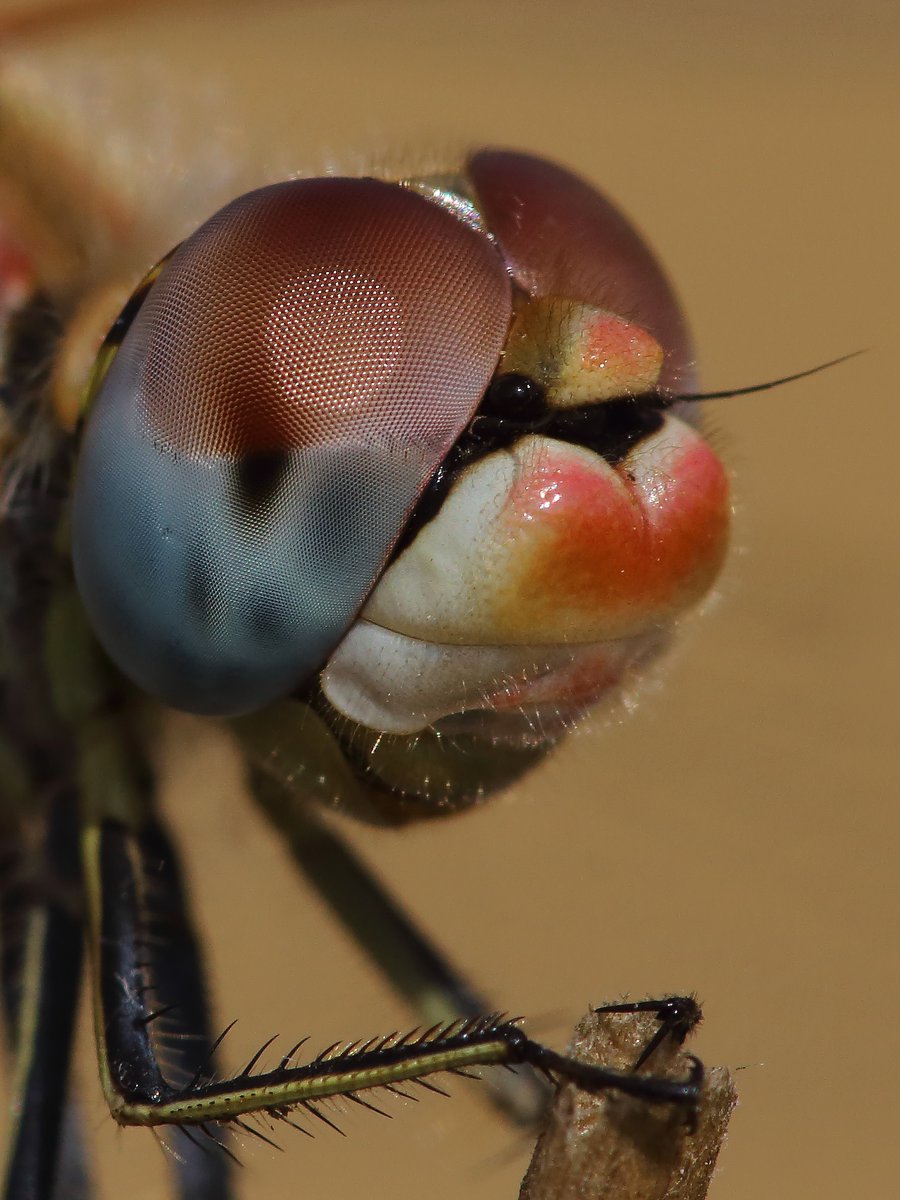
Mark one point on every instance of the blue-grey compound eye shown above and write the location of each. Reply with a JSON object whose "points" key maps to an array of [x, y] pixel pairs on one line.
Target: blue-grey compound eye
{"points": [[296, 374]]}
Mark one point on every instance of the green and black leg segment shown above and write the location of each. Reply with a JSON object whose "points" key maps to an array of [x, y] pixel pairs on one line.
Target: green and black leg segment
{"points": [[435, 990], [40, 902], [139, 1093]]}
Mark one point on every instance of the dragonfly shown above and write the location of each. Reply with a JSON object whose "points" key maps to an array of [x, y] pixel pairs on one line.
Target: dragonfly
{"points": [[400, 477]]}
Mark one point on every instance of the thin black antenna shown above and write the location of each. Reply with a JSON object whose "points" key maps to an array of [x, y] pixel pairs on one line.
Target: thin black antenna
{"points": [[673, 398]]}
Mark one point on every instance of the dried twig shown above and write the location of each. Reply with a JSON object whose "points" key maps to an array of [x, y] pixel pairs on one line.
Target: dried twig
{"points": [[619, 1148]]}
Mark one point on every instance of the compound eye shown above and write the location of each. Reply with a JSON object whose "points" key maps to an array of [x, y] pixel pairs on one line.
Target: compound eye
{"points": [[561, 237], [295, 376]]}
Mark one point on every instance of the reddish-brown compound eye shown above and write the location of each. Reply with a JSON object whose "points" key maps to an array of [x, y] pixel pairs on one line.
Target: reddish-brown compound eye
{"points": [[561, 237], [562, 555], [295, 376]]}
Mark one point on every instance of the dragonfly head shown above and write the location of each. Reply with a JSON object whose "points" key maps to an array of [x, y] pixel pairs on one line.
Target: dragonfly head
{"points": [[413, 445]]}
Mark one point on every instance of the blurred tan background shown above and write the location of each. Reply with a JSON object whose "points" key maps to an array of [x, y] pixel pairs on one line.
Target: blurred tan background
{"points": [[738, 834]]}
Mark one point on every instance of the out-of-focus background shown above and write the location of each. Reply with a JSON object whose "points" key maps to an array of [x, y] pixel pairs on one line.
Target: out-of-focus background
{"points": [[738, 834]]}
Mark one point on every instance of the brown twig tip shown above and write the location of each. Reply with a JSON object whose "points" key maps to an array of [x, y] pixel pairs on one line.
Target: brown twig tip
{"points": [[612, 1146]]}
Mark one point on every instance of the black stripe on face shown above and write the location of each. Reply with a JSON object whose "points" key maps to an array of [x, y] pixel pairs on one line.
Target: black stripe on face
{"points": [[611, 429]]}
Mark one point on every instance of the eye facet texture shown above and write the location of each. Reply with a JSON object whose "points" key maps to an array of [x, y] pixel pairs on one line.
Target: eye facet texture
{"points": [[295, 376], [558, 560], [561, 237]]}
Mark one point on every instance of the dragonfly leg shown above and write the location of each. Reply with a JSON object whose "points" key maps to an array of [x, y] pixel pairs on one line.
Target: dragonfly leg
{"points": [[118, 886], [435, 990], [151, 1011], [42, 958], [677, 1016], [176, 988]]}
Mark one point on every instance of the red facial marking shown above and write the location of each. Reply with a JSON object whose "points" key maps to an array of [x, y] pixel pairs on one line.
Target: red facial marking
{"points": [[628, 355], [616, 550]]}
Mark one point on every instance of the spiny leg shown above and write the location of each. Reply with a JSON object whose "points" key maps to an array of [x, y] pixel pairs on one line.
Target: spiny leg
{"points": [[436, 991], [138, 1092], [178, 993], [418, 972], [42, 943]]}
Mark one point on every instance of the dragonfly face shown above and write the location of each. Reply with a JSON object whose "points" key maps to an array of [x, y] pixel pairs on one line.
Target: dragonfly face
{"points": [[393, 475], [406, 454]]}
